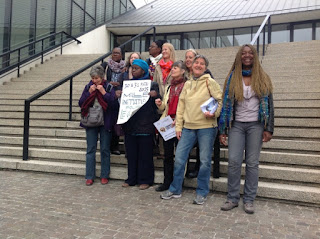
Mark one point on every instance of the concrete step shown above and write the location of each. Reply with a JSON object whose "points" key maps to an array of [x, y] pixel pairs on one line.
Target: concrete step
{"points": [[299, 122], [302, 194]]}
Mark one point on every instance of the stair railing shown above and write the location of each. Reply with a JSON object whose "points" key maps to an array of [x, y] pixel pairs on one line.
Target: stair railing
{"points": [[60, 82], [256, 37], [30, 48]]}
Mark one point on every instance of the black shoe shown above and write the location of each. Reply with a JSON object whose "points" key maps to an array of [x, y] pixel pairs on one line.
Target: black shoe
{"points": [[193, 174], [116, 152], [162, 188]]}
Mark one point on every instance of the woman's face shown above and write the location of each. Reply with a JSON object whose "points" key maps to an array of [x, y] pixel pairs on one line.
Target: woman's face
{"points": [[96, 80], [177, 72], [137, 71], [189, 59], [247, 58], [199, 67], [133, 57], [166, 52], [116, 54], [154, 50]]}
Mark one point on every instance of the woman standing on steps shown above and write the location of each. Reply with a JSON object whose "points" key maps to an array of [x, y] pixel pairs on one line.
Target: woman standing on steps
{"points": [[169, 107], [95, 93], [248, 118]]}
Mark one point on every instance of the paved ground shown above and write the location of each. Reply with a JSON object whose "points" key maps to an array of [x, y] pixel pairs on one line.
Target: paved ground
{"points": [[38, 205]]}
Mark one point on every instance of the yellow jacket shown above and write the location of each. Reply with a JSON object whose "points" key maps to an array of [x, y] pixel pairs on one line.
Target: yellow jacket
{"points": [[194, 94]]}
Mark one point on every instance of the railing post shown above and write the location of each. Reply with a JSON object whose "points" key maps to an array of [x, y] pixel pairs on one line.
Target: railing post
{"points": [[258, 43], [61, 43], [19, 52], [140, 45], [154, 34], [264, 41], [269, 30], [42, 51], [26, 130], [70, 100]]}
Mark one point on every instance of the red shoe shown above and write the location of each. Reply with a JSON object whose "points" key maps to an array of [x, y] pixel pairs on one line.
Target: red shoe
{"points": [[104, 180], [89, 182]]}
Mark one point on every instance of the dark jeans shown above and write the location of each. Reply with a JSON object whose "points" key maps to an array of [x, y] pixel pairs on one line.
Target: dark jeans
{"points": [[139, 151], [168, 162]]}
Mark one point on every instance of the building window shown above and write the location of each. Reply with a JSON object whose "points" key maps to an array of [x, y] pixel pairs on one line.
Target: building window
{"points": [[191, 40], [208, 39], [302, 32], [280, 33], [242, 36], [175, 40], [318, 31], [224, 38]]}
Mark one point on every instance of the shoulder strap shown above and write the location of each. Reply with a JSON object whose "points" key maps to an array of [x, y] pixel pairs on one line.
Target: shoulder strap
{"points": [[208, 87]]}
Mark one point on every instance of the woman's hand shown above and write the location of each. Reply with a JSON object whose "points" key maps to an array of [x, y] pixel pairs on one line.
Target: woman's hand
{"points": [[173, 123], [101, 89], [118, 93], [114, 83], [208, 115], [266, 136], [92, 88], [158, 102], [223, 139], [178, 134], [153, 93]]}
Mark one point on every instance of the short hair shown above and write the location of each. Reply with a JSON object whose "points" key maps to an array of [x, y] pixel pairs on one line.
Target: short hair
{"points": [[97, 71], [202, 57], [182, 66], [160, 43], [172, 51]]}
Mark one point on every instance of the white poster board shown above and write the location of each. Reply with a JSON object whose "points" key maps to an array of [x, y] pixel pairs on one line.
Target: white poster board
{"points": [[135, 93], [165, 128]]}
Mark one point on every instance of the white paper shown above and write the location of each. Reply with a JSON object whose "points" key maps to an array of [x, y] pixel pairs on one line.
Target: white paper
{"points": [[165, 128], [135, 93], [210, 105]]}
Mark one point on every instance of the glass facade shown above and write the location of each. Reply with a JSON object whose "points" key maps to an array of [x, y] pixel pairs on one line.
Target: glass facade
{"points": [[302, 32], [280, 33], [22, 22]]}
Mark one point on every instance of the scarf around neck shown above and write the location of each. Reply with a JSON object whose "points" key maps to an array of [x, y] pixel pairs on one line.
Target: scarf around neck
{"points": [[155, 60], [116, 66], [175, 90], [165, 69], [90, 100]]}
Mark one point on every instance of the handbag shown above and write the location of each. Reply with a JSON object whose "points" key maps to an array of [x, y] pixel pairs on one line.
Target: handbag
{"points": [[94, 117]]}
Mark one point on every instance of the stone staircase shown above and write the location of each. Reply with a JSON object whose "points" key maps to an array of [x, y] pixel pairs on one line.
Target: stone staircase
{"points": [[290, 163]]}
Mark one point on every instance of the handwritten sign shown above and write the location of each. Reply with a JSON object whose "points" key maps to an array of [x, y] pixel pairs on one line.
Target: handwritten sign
{"points": [[135, 93]]}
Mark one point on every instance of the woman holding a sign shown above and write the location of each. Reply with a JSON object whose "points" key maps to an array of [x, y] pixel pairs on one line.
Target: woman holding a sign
{"points": [[169, 108], [139, 129], [192, 124]]}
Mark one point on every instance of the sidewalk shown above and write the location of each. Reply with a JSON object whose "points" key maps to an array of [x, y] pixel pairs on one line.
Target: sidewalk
{"points": [[38, 205]]}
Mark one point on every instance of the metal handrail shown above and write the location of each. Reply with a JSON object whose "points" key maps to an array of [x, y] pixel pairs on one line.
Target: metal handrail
{"points": [[33, 43], [257, 35], [60, 82]]}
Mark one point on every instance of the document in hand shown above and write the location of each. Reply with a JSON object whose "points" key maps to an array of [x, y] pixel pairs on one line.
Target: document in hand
{"points": [[165, 127], [210, 105]]}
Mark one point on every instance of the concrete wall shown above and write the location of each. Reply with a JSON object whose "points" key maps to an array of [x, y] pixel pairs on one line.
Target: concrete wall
{"points": [[94, 42]]}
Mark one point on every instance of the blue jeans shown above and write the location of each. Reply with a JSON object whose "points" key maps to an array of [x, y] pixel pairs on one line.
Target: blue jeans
{"points": [[205, 138], [244, 136], [92, 139]]}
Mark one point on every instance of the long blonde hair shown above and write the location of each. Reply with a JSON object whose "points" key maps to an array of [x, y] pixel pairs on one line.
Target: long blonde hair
{"points": [[172, 51], [260, 81]]}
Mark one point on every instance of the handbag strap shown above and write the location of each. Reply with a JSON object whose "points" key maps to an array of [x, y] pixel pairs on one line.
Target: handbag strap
{"points": [[208, 87]]}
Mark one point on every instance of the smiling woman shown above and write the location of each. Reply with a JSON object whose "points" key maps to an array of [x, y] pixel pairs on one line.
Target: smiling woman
{"points": [[192, 125]]}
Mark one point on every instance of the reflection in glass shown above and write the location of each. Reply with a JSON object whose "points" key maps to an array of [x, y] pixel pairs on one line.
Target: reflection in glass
{"points": [[280, 33], [174, 40], [242, 36], [191, 40], [302, 32], [224, 38], [208, 39]]}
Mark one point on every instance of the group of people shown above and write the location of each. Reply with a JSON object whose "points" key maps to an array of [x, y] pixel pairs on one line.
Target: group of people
{"points": [[242, 121]]}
